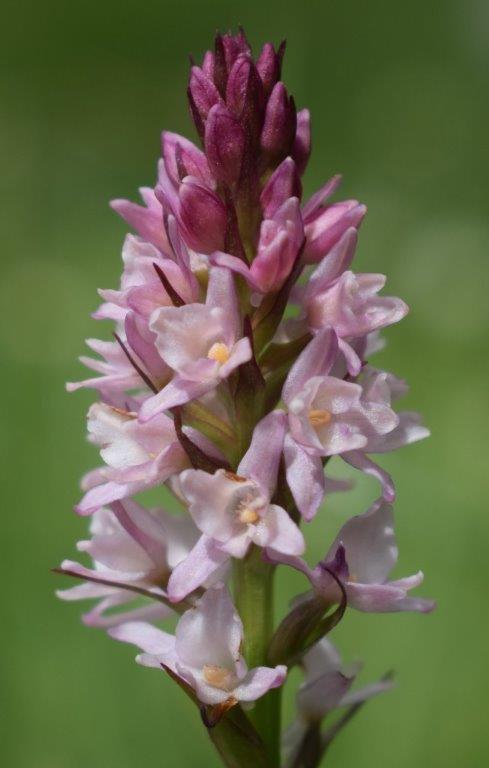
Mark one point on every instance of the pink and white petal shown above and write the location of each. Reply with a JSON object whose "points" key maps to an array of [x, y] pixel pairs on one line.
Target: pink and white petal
{"points": [[118, 551], [361, 461], [234, 264], [342, 434], [370, 544], [262, 459], [95, 617], [210, 633], [102, 495], [322, 694], [305, 478], [119, 579], [333, 264], [143, 529], [409, 430], [259, 681], [171, 460], [142, 343], [98, 618], [221, 294], [209, 498], [279, 532], [316, 359], [93, 478], [383, 598], [195, 569], [238, 545], [148, 222], [108, 427], [145, 637], [416, 604], [382, 419], [88, 591], [353, 362], [409, 582], [185, 334], [178, 392]]}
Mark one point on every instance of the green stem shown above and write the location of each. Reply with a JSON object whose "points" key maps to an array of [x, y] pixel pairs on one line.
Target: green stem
{"points": [[253, 582]]}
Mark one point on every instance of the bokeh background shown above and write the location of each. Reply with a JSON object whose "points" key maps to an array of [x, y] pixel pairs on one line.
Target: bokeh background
{"points": [[399, 96]]}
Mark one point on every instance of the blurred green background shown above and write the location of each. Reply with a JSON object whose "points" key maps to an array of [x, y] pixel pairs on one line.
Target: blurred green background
{"points": [[399, 97]]}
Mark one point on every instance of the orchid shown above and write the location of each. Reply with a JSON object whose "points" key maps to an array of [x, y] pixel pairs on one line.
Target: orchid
{"points": [[133, 549], [137, 456], [362, 556], [213, 395], [205, 651]]}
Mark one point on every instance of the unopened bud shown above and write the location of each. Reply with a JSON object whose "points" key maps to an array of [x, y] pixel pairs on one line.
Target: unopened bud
{"points": [[269, 65], [283, 184], [224, 144], [245, 96], [280, 123], [203, 94]]}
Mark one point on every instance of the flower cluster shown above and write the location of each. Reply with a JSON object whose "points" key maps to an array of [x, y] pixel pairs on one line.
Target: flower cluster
{"points": [[215, 390]]}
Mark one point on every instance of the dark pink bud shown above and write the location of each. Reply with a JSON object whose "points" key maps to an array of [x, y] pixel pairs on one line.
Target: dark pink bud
{"points": [[203, 217], [282, 184], [224, 144], [269, 65], [245, 96], [202, 94], [302, 143], [233, 46], [280, 123]]}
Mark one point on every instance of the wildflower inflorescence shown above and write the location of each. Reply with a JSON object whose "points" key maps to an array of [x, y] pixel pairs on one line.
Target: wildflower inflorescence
{"points": [[213, 389]]}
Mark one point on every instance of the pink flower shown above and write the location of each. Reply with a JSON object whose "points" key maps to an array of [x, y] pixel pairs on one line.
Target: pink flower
{"points": [[130, 547], [326, 416], [141, 289], [201, 343], [382, 388], [205, 651], [137, 456], [233, 511], [362, 556], [117, 375], [351, 306], [281, 238]]}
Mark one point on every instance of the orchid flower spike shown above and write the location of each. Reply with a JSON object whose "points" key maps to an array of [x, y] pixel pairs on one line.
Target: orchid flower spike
{"points": [[240, 365]]}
